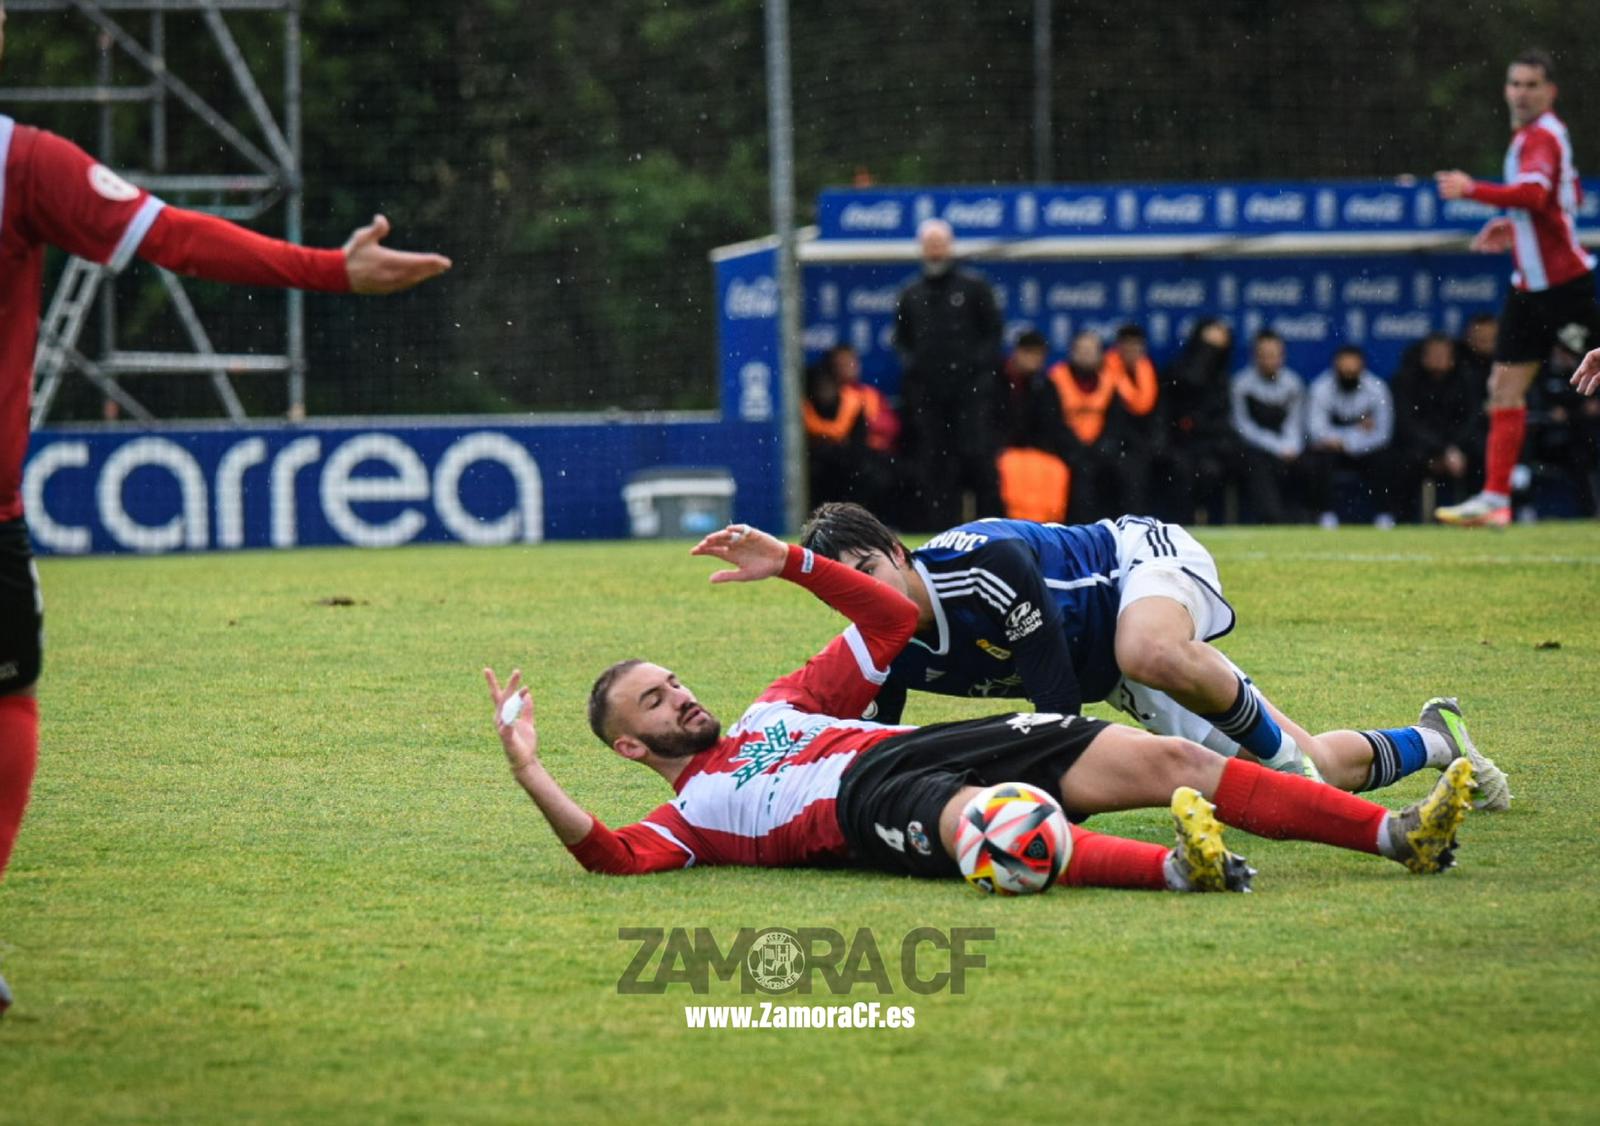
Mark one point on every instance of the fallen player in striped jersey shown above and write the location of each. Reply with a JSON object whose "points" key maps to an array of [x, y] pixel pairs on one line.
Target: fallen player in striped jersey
{"points": [[797, 780]]}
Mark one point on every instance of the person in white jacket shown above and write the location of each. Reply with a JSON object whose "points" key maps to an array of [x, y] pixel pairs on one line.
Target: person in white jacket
{"points": [[1349, 429], [1269, 405]]}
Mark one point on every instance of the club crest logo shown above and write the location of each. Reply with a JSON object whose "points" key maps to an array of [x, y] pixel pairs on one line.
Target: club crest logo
{"points": [[775, 960], [109, 185]]}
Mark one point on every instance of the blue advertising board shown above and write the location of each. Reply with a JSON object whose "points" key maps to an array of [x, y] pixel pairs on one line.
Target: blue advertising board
{"points": [[368, 482], [1379, 302], [1072, 211]]}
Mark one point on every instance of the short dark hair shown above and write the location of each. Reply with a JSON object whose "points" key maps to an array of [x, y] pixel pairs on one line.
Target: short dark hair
{"points": [[1536, 56], [1482, 318], [1033, 338], [840, 526], [1350, 350], [831, 356], [1267, 334], [1130, 332], [600, 698]]}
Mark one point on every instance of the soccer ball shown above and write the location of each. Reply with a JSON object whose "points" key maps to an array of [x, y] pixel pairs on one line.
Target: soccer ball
{"points": [[1012, 839]]}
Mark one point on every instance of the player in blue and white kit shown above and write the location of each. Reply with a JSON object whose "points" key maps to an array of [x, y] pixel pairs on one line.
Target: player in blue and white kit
{"points": [[1123, 611]]}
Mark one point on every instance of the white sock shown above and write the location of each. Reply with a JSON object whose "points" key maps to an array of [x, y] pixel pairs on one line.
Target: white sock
{"points": [[1177, 879], [1386, 843], [1288, 754], [1441, 751]]}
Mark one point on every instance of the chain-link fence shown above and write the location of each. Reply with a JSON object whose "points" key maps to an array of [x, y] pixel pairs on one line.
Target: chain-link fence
{"points": [[578, 161]]}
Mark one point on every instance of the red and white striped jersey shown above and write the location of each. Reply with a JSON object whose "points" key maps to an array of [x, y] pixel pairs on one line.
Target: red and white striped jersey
{"points": [[764, 794], [52, 192], [1541, 194]]}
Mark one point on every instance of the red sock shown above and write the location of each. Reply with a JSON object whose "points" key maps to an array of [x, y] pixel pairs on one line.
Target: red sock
{"points": [[1506, 427], [1289, 807], [1101, 861], [19, 754]]}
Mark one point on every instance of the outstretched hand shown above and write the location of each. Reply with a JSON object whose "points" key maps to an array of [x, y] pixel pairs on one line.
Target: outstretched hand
{"points": [[752, 553], [1496, 236], [1453, 184], [374, 268], [1587, 378], [513, 719]]}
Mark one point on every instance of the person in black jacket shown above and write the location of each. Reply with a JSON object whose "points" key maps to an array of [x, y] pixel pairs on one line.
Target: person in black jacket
{"points": [[1436, 423], [1027, 408], [1034, 439], [947, 330], [1199, 453]]}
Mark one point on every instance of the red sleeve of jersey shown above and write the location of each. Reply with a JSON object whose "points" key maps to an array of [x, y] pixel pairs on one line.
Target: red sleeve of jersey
{"points": [[1526, 195], [845, 677], [203, 246], [73, 202], [633, 850], [1538, 171]]}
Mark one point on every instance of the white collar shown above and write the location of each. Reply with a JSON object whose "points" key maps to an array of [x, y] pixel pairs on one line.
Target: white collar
{"points": [[938, 613]]}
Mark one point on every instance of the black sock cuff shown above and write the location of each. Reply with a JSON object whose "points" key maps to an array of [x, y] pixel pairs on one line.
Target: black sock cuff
{"points": [[1386, 769], [1242, 716]]}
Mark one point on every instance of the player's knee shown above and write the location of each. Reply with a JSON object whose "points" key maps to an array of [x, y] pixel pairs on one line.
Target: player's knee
{"points": [[1180, 762], [1162, 663]]}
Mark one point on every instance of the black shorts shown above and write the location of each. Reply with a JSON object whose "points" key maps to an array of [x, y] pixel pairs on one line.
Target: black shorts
{"points": [[891, 797], [1530, 323], [21, 609]]}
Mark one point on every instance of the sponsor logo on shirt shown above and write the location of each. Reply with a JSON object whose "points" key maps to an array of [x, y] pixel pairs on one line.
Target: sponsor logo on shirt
{"points": [[1023, 620], [931, 675], [108, 184], [1024, 722], [994, 650]]}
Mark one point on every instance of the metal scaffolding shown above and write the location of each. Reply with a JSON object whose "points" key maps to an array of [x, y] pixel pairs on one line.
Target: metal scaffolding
{"points": [[274, 176]]}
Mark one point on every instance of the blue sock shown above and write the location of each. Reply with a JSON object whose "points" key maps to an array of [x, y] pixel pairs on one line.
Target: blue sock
{"points": [[1395, 753], [1249, 724]]}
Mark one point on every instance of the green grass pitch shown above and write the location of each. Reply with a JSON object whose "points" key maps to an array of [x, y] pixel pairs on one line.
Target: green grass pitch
{"points": [[275, 869]]}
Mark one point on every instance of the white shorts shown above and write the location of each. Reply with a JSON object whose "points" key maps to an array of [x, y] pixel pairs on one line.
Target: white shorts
{"points": [[1159, 560]]}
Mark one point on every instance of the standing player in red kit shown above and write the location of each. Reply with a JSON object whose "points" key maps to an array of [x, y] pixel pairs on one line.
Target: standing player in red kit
{"points": [[53, 193], [1554, 293]]}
